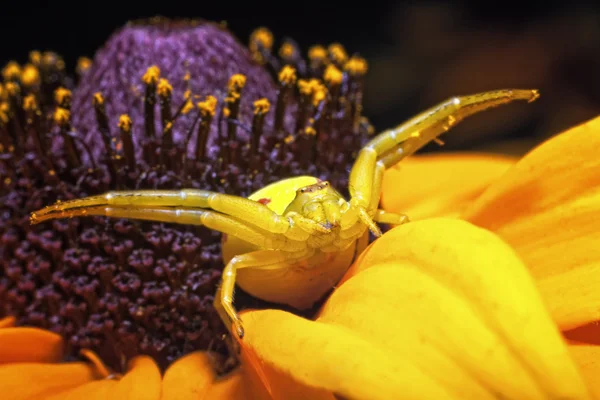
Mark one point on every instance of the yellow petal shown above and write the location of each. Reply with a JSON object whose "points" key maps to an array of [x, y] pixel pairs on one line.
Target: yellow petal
{"points": [[234, 386], [587, 358], [29, 345], [29, 381], [193, 377], [141, 382], [96, 390], [189, 377], [547, 208], [439, 184], [309, 360], [433, 309]]}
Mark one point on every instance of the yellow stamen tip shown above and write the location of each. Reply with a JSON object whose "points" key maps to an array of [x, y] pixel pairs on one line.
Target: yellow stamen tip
{"points": [[310, 131], [208, 106], [164, 88], [188, 106], [289, 139], [261, 36], [98, 98], [30, 75], [151, 76], [317, 53], [35, 57], [333, 76], [287, 50], [62, 95], [12, 71], [62, 116], [262, 106], [356, 66], [338, 54], [125, 123], [83, 64], [29, 103], [12, 89], [236, 83], [287, 75]]}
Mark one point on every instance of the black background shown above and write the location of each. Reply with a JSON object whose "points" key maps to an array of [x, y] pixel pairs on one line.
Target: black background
{"points": [[414, 49]]}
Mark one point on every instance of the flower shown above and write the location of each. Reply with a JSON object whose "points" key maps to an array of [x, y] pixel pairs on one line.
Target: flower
{"points": [[444, 307]]}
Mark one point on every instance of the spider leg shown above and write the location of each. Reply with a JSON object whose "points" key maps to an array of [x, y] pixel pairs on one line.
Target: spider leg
{"points": [[385, 217], [243, 209], [264, 259], [391, 146], [211, 219]]}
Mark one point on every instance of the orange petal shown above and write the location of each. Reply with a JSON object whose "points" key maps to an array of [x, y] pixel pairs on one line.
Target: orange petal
{"points": [[433, 309], [28, 381], [30, 345], [587, 358], [96, 390], [7, 322], [547, 208], [193, 377], [141, 382], [190, 377], [439, 184], [234, 386]]}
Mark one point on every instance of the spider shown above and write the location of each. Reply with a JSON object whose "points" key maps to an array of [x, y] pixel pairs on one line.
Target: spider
{"points": [[293, 240]]}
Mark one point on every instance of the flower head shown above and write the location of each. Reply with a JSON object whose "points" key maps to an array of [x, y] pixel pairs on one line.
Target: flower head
{"points": [[164, 104]]}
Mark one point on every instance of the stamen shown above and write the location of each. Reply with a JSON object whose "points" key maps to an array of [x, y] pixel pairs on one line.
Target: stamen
{"points": [[83, 65], [305, 90], [207, 112], [287, 80], [62, 117], [150, 78], [318, 95], [52, 69], [35, 57], [261, 108], [5, 137], [11, 72], [289, 52], [356, 68], [317, 56], [33, 125], [261, 45], [165, 91], [102, 120], [103, 127], [125, 125], [333, 78], [15, 114], [231, 111], [30, 78], [63, 97], [337, 54]]}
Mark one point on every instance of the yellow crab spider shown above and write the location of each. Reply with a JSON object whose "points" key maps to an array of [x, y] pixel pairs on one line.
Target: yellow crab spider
{"points": [[293, 240]]}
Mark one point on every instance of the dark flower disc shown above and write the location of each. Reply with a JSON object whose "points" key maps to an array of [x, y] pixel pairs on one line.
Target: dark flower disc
{"points": [[164, 105]]}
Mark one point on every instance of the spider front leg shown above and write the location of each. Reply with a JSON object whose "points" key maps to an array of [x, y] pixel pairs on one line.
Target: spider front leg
{"points": [[391, 146], [131, 204], [262, 259]]}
